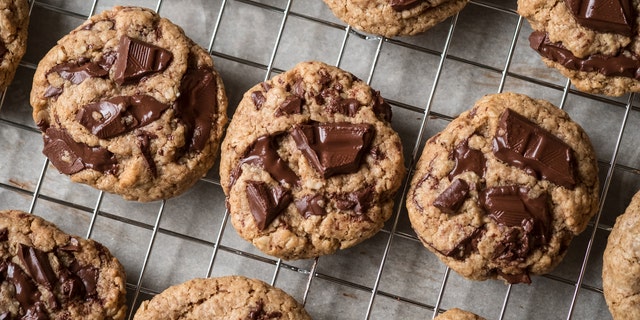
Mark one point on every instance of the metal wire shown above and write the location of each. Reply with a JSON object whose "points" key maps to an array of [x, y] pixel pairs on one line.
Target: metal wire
{"points": [[426, 114]]}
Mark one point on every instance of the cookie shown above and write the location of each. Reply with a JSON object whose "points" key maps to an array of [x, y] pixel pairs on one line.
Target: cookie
{"points": [[596, 49], [128, 104], [621, 266], [14, 23], [391, 18], [503, 189], [310, 163], [458, 314], [230, 297], [48, 274]]}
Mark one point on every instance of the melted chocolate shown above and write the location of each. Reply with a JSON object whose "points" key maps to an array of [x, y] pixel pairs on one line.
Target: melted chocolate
{"points": [[615, 16], [197, 106], [77, 72], [311, 205], [38, 265], [399, 5], [266, 202], [523, 144], [290, 105], [359, 201], [26, 292], [137, 59], [467, 159], [333, 148], [452, 198], [52, 91], [115, 116], [621, 65], [89, 277], [264, 153], [69, 156]]}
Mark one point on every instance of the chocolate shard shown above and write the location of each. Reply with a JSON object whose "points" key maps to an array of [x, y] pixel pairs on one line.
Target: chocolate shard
{"points": [[137, 59], [71, 285], [37, 264], [452, 198], [144, 143], [70, 157], [266, 202], [26, 292], [197, 106], [615, 16], [467, 159], [258, 99], [399, 5], [4, 234], [89, 277], [36, 312], [311, 205], [264, 153], [348, 107], [115, 116], [290, 105], [77, 72], [523, 144], [380, 107], [466, 245], [333, 148], [72, 246], [619, 65], [52, 91], [359, 201]]}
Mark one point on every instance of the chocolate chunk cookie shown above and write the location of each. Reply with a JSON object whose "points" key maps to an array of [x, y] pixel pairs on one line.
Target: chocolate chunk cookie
{"points": [[310, 163], [597, 49], [14, 23], [391, 18], [130, 105], [621, 264], [47, 274], [458, 314], [230, 297], [502, 190]]}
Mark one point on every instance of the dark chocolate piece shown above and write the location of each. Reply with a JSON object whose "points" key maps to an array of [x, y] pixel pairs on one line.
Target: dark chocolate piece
{"points": [[452, 198], [69, 156], [380, 107], [137, 59], [3, 50], [290, 105], [467, 159], [77, 72], [625, 64], [144, 143], [333, 148], [399, 5], [38, 265], [4, 234], [467, 245], [359, 201], [197, 106], [266, 202], [263, 152], [52, 91], [348, 107], [89, 277], [258, 99], [115, 116], [523, 144], [5, 316], [72, 246], [71, 285], [311, 205], [26, 291], [615, 16], [36, 312]]}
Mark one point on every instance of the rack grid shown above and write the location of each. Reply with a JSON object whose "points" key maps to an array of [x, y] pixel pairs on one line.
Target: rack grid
{"points": [[428, 79]]}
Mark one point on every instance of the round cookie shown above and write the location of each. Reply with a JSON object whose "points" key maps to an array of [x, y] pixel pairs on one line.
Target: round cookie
{"points": [[391, 18], [48, 274], [14, 23], [596, 49], [620, 267], [502, 190], [458, 314], [130, 105], [310, 163], [230, 297]]}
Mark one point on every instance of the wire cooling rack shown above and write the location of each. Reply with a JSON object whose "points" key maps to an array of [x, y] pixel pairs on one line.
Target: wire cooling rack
{"points": [[428, 79]]}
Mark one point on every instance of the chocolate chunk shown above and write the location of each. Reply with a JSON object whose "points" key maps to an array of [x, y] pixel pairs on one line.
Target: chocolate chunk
{"points": [[615, 16], [266, 202], [452, 198], [77, 72], [523, 144], [137, 59], [311, 205], [298, 88], [115, 116], [625, 64], [36, 312], [399, 5], [5, 316], [4, 234], [258, 99], [333, 148], [515, 278], [52, 91], [71, 285], [197, 106], [26, 291], [264, 153], [465, 246], [348, 107], [258, 313], [359, 201], [380, 107], [72, 246], [38, 265], [89, 277], [70, 156], [3, 50], [144, 143], [467, 159], [290, 105]]}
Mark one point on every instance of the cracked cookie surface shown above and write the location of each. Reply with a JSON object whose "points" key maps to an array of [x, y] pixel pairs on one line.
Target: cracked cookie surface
{"points": [[502, 190], [458, 314], [127, 103], [310, 163], [14, 23], [230, 297], [621, 266], [59, 276]]}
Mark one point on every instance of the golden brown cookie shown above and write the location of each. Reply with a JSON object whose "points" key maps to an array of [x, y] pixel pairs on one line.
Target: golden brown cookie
{"points": [[14, 24], [458, 314]]}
